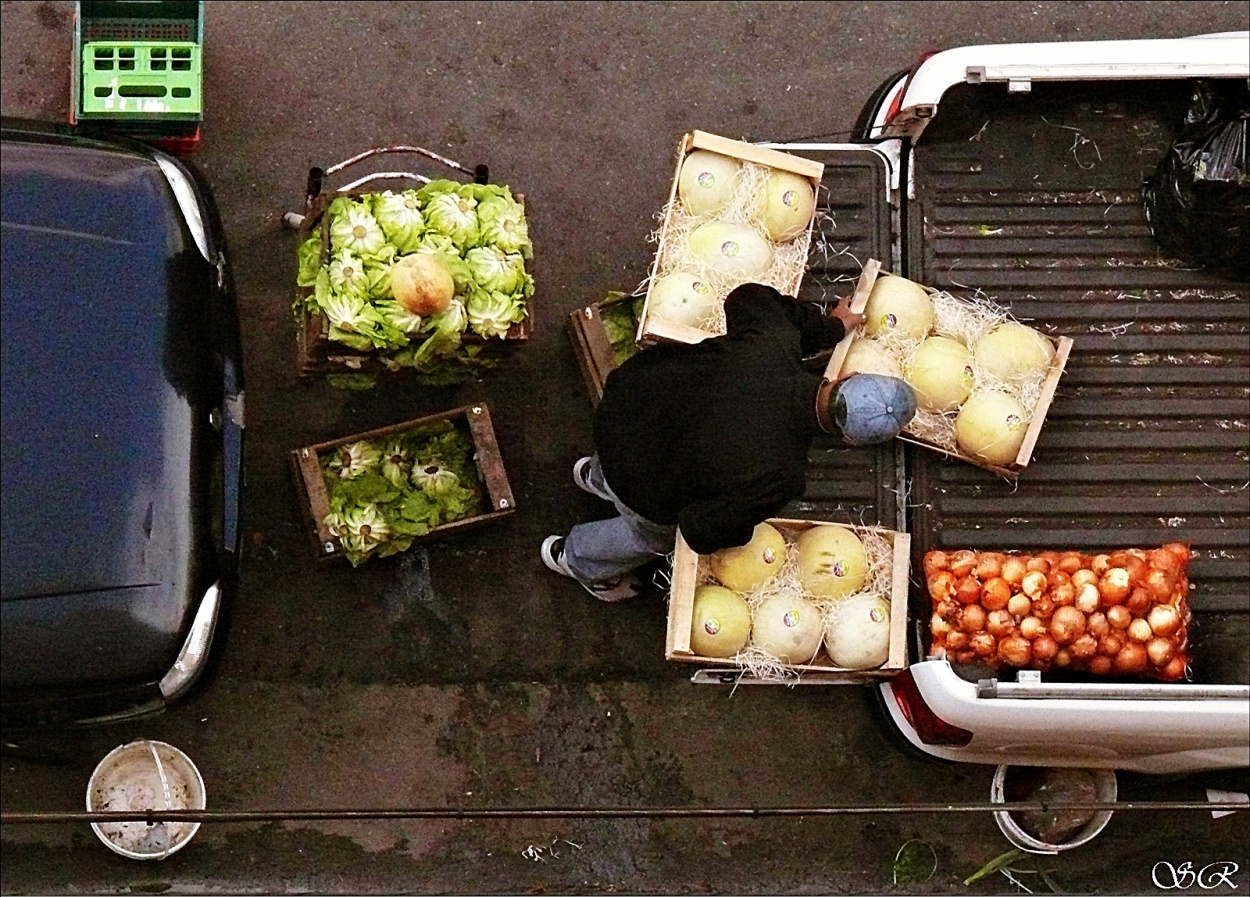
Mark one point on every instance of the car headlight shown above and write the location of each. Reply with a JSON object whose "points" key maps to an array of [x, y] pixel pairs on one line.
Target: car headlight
{"points": [[194, 653], [189, 203]]}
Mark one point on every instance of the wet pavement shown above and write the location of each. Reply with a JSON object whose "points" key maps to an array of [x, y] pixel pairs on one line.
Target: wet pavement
{"points": [[463, 674]]}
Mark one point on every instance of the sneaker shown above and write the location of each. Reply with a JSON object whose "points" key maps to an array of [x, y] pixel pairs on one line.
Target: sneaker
{"points": [[619, 589], [581, 477]]}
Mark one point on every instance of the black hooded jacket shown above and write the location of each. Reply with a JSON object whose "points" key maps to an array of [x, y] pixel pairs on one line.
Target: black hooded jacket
{"points": [[713, 437]]}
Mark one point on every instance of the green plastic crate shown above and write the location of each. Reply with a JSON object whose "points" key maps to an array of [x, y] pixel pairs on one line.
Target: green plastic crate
{"points": [[141, 79]]}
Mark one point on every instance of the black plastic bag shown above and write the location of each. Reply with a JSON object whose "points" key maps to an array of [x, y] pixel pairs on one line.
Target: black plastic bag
{"points": [[1198, 199]]}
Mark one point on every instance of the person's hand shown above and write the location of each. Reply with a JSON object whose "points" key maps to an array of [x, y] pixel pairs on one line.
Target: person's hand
{"points": [[850, 320]]}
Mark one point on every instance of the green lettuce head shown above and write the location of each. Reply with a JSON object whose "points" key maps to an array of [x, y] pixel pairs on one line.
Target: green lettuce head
{"points": [[454, 216], [495, 270], [501, 222], [347, 274], [492, 313], [399, 317], [309, 255], [400, 218], [355, 230], [351, 460]]}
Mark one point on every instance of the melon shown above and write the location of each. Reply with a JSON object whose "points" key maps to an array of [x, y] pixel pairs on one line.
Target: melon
{"points": [[898, 308], [734, 250], [788, 627], [991, 426], [868, 356], [787, 202], [683, 299], [1013, 353], [857, 634], [940, 372], [747, 567], [707, 181], [721, 623], [833, 562]]}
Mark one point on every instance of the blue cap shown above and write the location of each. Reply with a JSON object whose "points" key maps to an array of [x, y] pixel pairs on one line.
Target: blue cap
{"points": [[872, 408]]}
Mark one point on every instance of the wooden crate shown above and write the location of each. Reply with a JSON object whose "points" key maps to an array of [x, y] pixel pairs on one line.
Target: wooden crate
{"points": [[309, 481], [651, 328], [681, 610], [317, 354], [591, 346], [1063, 348]]}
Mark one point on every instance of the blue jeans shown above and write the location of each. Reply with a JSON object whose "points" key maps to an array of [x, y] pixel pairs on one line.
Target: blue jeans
{"points": [[606, 549]]}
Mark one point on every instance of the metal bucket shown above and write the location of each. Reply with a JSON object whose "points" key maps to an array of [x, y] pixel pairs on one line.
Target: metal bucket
{"points": [[145, 775], [1105, 783]]}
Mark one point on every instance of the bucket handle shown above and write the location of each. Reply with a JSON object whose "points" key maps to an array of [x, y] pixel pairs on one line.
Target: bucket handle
{"points": [[317, 176], [160, 770]]}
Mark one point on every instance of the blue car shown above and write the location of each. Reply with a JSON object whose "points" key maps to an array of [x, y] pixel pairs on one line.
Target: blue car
{"points": [[122, 428]]}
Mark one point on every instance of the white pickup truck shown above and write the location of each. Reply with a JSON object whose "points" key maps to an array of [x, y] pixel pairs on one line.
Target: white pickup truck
{"points": [[1017, 170]]}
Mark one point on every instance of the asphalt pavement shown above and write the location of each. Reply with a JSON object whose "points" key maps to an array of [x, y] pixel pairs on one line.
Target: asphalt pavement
{"points": [[492, 682]]}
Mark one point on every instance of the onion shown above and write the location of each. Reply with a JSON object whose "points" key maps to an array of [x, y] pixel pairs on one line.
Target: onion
{"points": [[963, 562], [787, 204], [1087, 599], [1162, 559], [1180, 550], [1013, 570], [1067, 624], [1164, 620], [1160, 651], [1110, 645], [706, 181], [1131, 660], [991, 426], [935, 561], [1032, 627], [1014, 353], [1034, 583], [1119, 617], [1161, 584], [1071, 562], [1015, 651], [968, 590], [938, 626], [957, 640], [1100, 564], [1100, 665], [1114, 585], [1057, 577], [747, 567], [1084, 577], [1063, 659], [940, 372], [982, 643], [972, 619], [1045, 648], [422, 283], [945, 609], [989, 566], [1139, 630], [995, 594], [1000, 624], [1063, 594], [1137, 569], [1097, 624], [1039, 564], [869, 356], [1043, 607], [898, 307], [1138, 602], [1019, 605], [1174, 670], [1084, 647], [942, 585]]}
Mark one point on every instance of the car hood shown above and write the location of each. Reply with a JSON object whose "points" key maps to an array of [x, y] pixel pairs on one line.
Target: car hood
{"points": [[102, 411]]}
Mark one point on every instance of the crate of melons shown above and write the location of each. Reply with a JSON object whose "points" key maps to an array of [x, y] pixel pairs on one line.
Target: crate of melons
{"points": [[801, 597], [983, 381], [737, 213]]}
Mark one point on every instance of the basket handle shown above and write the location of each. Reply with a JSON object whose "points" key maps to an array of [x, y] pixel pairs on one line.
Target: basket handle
{"points": [[317, 175]]}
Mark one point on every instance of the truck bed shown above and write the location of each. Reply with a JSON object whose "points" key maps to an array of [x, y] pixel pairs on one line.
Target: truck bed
{"points": [[1035, 200]]}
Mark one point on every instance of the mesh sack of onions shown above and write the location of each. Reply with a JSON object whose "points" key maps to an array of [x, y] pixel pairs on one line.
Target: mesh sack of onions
{"points": [[1122, 614]]}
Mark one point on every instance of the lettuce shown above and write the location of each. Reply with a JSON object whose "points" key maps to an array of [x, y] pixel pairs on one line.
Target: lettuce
{"points": [[492, 313], [495, 270], [501, 222], [355, 229], [399, 216], [453, 216], [309, 255], [347, 274]]}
